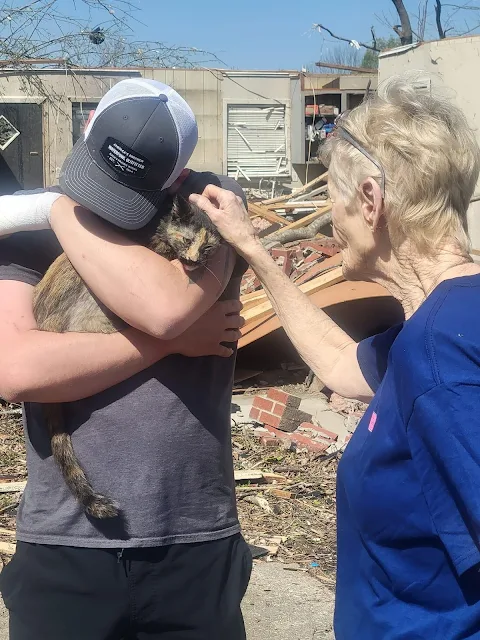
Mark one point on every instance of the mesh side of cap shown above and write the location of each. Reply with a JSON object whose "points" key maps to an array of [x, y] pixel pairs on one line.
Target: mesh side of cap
{"points": [[131, 88], [187, 130]]}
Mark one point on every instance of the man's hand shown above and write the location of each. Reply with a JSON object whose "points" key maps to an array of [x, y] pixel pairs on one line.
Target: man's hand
{"points": [[228, 214], [221, 323]]}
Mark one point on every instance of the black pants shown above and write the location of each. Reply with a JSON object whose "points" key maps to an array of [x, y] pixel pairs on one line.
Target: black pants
{"points": [[178, 592]]}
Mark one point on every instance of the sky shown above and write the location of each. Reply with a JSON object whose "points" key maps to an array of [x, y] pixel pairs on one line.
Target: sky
{"points": [[257, 34], [266, 34]]}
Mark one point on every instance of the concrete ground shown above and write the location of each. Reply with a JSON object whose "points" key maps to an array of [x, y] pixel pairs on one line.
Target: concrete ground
{"points": [[279, 605]]}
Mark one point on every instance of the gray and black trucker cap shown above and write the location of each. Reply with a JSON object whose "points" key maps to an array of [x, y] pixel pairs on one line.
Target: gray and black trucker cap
{"points": [[138, 142]]}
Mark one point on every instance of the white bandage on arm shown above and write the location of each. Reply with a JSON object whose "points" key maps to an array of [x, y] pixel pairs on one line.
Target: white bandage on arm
{"points": [[26, 212]]}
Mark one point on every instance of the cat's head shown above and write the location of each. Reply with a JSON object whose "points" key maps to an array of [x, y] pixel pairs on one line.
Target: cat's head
{"points": [[190, 233]]}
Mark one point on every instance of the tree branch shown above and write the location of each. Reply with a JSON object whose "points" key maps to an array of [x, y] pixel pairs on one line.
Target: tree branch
{"points": [[404, 30], [304, 233], [362, 44], [438, 17]]}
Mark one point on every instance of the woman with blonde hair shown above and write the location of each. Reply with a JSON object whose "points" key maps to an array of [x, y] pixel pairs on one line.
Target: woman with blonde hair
{"points": [[402, 170]]}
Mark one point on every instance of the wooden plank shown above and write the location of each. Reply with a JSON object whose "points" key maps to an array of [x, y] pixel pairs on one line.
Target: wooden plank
{"points": [[332, 277], [298, 192], [301, 204], [7, 547], [257, 210], [249, 300], [306, 220], [251, 296], [247, 474], [12, 487], [274, 478]]}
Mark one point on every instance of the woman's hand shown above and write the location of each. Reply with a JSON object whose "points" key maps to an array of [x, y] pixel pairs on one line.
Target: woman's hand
{"points": [[221, 323], [228, 214]]}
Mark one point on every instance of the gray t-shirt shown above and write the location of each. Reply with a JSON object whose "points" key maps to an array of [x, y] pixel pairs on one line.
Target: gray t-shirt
{"points": [[159, 444]]}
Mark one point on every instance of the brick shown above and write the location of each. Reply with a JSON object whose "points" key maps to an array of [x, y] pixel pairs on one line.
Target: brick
{"points": [[284, 259], [300, 440], [313, 257], [269, 441], [280, 493], [278, 409], [324, 433], [289, 421], [308, 443], [299, 255], [255, 414], [263, 404], [327, 246], [283, 397], [270, 419], [311, 273]]}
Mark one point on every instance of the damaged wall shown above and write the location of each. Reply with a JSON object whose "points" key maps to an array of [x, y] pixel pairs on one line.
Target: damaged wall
{"points": [[451, 67]]}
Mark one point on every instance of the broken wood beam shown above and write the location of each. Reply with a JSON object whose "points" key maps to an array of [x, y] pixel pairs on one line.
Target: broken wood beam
{"points": [[306, 220], [301, 204], [298, 192], [333, 276], [12, 487], [7, 547], [257, 210]]}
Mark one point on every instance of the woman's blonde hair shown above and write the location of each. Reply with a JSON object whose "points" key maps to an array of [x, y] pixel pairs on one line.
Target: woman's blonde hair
{"points": [[429, 154]]}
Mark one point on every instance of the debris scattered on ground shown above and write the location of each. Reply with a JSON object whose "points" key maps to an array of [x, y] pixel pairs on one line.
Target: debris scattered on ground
{"points": [[285, 489], [12, 477], [298, 508]]}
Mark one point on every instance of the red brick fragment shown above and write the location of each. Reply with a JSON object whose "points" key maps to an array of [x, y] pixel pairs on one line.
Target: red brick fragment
{"points": [[300, 440], [284, 259], [278, 409], [255, 413], [267, 441], [263, 404], [269, 419], [285, 398], [311, 273], [324, 433]]}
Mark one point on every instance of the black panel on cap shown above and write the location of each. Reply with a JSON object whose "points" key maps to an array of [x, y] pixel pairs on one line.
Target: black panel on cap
{"points": [[145, 127]]}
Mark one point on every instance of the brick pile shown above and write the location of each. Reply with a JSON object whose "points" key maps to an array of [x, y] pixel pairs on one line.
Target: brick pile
{"points": [[301, 262], [282, 420]]}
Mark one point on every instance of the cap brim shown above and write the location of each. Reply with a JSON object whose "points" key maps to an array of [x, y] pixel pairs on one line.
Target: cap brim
{"points": [[83, 181]]}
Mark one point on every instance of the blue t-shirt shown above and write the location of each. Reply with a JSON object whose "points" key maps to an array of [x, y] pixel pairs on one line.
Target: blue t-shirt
{"points": [[408, 495]]}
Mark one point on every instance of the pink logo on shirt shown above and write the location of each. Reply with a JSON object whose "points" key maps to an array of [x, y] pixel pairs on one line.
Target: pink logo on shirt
{"points": [[373, 421]]}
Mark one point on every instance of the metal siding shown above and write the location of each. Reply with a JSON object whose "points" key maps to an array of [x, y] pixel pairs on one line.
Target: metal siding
{"points": [[256, 141]]}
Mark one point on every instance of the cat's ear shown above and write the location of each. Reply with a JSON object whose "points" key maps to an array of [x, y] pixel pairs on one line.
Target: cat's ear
{"points": [[181, 208]]}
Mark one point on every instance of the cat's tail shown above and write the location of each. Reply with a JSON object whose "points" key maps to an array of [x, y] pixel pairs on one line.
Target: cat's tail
{"points": [[95, 504]]}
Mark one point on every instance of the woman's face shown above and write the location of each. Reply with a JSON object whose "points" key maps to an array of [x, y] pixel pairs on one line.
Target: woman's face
{"points": [[353, 235]]}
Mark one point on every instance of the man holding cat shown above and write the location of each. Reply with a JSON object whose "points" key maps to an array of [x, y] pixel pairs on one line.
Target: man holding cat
{"points": [[151, 431]]}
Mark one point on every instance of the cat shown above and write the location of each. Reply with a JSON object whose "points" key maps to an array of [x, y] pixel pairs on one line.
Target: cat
{"points": [[62, 302]]}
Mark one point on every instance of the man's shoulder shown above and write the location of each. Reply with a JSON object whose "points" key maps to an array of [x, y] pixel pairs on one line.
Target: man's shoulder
{"points": [[197, 181]]}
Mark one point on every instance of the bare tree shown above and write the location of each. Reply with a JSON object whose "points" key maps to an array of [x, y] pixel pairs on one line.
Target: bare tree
{"points": [[404, 30], [91, 33], [436, 17]]}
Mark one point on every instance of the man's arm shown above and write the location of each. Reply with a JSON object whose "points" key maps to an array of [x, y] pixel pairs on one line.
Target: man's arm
{"points": [[37, 366], [147, 291]]}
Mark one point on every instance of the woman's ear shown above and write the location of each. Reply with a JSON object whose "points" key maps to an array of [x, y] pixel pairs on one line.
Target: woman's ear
{"points": [[372, 203]]}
